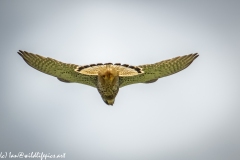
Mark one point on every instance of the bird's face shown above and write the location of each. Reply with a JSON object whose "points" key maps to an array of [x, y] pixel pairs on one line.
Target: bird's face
{"points": [[108, 84]]}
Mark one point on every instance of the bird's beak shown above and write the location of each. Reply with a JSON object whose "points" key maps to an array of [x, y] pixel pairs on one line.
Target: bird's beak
{"points": [[110, 102]]}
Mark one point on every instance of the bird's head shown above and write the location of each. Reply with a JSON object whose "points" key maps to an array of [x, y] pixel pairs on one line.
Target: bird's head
{"points": [[108, 84], [109, 101]]}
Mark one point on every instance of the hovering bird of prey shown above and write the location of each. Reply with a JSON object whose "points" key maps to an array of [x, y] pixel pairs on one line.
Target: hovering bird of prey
{"points": [[107, 77]]}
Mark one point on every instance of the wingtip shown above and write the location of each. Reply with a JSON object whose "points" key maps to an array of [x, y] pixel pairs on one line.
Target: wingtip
{"points": [[23, 55], [195, 55], [20, 52]]}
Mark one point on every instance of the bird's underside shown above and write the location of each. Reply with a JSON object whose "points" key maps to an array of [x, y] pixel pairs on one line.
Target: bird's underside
{"points": [[107, 77]]}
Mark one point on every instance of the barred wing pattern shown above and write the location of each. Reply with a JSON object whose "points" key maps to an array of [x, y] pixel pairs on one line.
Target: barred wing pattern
{"points": [[63, 71], [158, 70]]}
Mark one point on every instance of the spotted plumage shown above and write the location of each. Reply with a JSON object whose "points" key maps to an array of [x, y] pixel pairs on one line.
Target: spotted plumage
{"points": [[107, 77]]}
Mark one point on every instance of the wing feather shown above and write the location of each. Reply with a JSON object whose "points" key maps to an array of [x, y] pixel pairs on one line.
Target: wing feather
{"points": [[63, 71], [158, 70]]}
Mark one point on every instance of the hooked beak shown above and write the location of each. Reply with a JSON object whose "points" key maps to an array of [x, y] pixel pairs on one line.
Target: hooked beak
{"points": [[109, 102]]}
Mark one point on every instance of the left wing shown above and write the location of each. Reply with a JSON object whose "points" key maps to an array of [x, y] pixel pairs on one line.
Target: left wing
{"points": [[65, 72], [158, 70]]}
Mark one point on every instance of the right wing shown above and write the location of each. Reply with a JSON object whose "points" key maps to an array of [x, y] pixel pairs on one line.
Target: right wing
{"points": [[63, 71]]}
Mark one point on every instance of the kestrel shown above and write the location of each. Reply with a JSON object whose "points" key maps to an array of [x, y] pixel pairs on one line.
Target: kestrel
{"points": [[107, 77]]}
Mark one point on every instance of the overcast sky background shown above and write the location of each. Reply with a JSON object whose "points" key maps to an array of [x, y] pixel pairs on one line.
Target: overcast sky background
{"points": [[193, 114]]}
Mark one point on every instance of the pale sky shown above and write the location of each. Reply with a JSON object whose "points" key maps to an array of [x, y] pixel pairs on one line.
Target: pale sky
{"points": [[192, 115]]}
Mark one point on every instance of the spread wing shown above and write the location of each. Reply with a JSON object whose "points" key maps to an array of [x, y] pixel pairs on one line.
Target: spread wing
{"points": [[63, 71], [158, 70]]}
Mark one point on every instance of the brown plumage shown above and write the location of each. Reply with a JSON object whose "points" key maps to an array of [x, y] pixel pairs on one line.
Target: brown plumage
{"points": [[107, 77], [108, 84]]}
